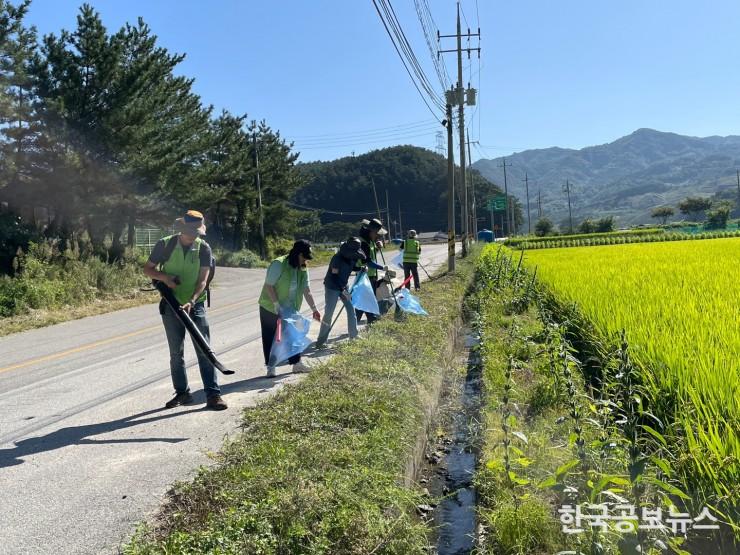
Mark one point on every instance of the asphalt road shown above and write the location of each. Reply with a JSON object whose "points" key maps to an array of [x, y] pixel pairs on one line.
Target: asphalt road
{"points": [[87, 449]]}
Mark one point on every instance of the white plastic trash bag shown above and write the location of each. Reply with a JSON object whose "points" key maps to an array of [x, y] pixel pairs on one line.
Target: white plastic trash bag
{"points": [[363, 296], [293, 338], [408, 303]]}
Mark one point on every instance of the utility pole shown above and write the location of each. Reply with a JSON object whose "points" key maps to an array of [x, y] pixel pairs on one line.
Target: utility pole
{"points": [[460, 96], [400, 222], [506, 193], [461, 125], [450, 194], [263, 252], [570, 213], [387, 208], [529, 217], [473, 207]]}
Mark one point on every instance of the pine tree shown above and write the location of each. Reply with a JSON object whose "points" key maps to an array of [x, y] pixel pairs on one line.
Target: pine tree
{"points": [[20, 126]]}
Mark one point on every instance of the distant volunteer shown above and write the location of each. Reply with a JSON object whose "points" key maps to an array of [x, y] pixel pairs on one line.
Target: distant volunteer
{"points": [[183, 262], [286, 285], [411, 253], [370, 232], [336, 287]]}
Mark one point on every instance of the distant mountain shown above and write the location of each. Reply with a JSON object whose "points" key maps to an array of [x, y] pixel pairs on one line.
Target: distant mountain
{"points": [[626, 178]]}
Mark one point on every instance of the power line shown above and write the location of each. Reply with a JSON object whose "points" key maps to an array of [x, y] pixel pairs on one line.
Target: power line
{"points": [[336, 212], [390, 33], [310, 146], [376, 136], [411, 55], [427, 27], [368, 131]]}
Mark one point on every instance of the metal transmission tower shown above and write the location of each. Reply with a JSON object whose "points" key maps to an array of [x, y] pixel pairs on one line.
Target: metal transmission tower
{"points": [[539, 203], [440, 143], [459, 96], [567, 189], [509, 226], [529, 216]]}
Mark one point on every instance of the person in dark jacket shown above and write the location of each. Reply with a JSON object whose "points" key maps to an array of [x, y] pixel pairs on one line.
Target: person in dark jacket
{"points": [[335, 287], [370, 233]]}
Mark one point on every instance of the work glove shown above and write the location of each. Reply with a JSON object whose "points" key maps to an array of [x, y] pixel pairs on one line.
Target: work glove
{"points": [[317, 315]]}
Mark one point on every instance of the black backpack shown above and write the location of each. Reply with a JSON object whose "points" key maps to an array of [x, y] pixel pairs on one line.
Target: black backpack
{"points": [[170, 247]]}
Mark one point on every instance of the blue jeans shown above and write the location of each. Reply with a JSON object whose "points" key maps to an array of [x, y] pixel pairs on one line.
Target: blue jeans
{"points": [[176, 339], [331, 296]]}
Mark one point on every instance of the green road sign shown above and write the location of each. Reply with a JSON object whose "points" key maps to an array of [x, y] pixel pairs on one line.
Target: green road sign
{"points": [[497, 203]]}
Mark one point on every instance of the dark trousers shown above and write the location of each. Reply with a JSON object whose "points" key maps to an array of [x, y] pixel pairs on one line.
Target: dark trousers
{"points": [[268, 322], [410, 268], [370, 317]]}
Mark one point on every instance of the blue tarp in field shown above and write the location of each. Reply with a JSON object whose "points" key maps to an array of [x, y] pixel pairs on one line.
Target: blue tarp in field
{"points": [[294, 338], [408, 303], [363, 296]]}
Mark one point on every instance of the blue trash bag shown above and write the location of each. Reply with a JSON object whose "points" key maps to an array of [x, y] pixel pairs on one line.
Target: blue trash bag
{"points": [[363, 296], [397, 260], [294, 338], [408, 303]]}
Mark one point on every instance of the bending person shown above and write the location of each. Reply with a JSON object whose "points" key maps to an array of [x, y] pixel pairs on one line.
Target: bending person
{"points": [[335, 287], [286, 285], [370, 232]]}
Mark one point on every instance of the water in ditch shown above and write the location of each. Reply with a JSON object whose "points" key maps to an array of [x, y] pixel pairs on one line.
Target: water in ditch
{"points": [[452, 462]]}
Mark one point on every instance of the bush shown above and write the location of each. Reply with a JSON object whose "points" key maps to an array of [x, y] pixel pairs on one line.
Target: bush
{"points": [[277, 246], [543, 227], [238, 259], [47, 279], [14, 235]]}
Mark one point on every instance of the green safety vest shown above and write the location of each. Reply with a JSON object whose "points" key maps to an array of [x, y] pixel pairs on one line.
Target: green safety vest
{"points": [[371, 272], [185, 264], [411, 251], [282, 287]]}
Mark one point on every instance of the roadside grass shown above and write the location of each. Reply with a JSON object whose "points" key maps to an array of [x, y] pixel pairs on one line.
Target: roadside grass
{"points": [[517, 517], [53, 287], [321, 466]]}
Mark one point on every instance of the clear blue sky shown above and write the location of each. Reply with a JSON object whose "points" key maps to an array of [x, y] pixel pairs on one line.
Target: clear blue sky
{"points": [[572, 73]]}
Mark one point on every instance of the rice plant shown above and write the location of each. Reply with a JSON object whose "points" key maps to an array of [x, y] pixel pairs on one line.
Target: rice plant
{"points": [[680, 305]]}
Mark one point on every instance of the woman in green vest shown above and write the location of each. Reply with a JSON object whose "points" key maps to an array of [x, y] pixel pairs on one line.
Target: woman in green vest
{"points": [[286, 285], [411, 253]]}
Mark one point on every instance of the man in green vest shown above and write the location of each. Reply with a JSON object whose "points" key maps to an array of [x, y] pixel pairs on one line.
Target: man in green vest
{"points": [[286, 285], [411, 253], [183, 262]]}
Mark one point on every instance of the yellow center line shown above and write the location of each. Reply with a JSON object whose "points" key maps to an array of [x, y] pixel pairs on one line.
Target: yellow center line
{"points": [[87, 347]]}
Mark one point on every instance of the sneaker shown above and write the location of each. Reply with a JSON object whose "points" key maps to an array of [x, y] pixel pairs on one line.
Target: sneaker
{"points": [[215, 402], [320, 346], [179, 399], [300, 368], [271, 372]]}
